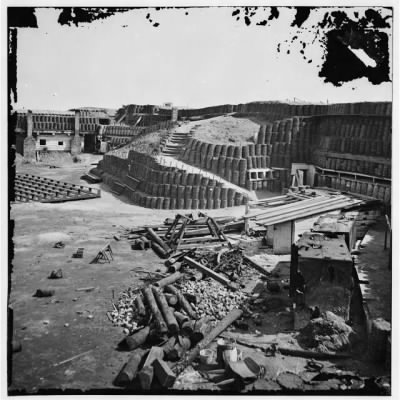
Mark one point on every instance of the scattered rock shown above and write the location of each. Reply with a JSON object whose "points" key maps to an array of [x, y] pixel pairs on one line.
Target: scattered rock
{"points": [[16, 346], [290, 381], [44, 293], [56, 274], [326, 334]]}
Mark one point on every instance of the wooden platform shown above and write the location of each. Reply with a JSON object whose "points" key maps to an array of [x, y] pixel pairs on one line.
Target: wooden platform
{"points": [[36, 188]]}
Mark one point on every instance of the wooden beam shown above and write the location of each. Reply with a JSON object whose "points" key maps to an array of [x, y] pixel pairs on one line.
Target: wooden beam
{"points": [[209, 272]]}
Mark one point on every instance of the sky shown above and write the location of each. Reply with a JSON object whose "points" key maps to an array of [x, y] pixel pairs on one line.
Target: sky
{"points": [[200, 59]]}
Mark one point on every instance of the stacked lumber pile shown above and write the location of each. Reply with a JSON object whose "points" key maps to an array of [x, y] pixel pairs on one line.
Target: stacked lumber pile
{"points": [[185, 232], [304, 208]]}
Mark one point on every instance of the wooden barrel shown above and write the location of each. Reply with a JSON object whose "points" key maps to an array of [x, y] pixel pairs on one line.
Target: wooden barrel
{"points": [[224, 193], [268, 134], [229, 151], [173, 191], [188, 192], [242, 178], [180, 203], [148, 202], [195, 192], [188, 203], [166, 203], [263, 162], [204, 181], [202, 203], [252, 150], [197, 179], [231, 197], [208, 163], [235, 177], [242, 164], [235, 164], [245, 151], [217, 150], [249, 162], [261, 135], [210, 203], [181, 192], [153, 200], [387, 195], [217, 193], [238, 198], [224, 150], [237, 152], [195, 204], [214, 165], [381, 192]]}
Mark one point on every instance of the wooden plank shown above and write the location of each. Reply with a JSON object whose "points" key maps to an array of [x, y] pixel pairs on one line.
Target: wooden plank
{"points": [[209, 272], [306, 211]]}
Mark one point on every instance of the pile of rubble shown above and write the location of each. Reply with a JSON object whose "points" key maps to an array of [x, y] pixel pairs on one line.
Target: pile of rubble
{"points": [[211, 299]]}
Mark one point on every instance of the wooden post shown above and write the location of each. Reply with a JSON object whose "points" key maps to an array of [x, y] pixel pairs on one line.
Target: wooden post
{"points": [[163, 373], [171, 321], [158, 240], [136, 340], [140, 306], [182, 301], [129, 370], [168, 280], [209, 272], [151, 301], [147, 372], [254, 265]]}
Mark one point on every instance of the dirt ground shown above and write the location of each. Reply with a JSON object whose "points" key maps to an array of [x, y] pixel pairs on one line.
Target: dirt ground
{"points": [[71, 322], [225, 130], [54, 329]]}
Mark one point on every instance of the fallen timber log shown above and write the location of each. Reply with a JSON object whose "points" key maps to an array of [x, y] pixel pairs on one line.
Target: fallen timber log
{"points": [[209, 272], [167, 313], [254, 265], [158, 240], [151, 302], [182, 301], [147, 372], [158, 250], [130, 369], [134, 341], [140, 306], [168, 280], [221, 326], [311, 354]]}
